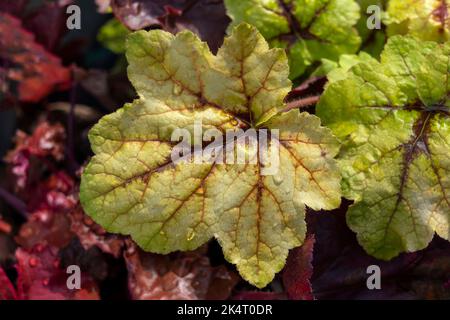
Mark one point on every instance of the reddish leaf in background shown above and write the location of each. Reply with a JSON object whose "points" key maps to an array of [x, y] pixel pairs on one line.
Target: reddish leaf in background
{"points": [[46, 19], [91, 234], [340, 265], [7, 290], [40, 277], [30, 71], [207, 18], [14, 7], [55, 194], [5, 227], [45, 227], [298, 271], [103, 5], [180, 276], [429, 278], [48, 23], [50, 204], [47, 140]]}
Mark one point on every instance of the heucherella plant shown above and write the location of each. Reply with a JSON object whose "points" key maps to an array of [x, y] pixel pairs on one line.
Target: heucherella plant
{"points": [[424, 19], [308, 30], [132, 185], [393, 118]]}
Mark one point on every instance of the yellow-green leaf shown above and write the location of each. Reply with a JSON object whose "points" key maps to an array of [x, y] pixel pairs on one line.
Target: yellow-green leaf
{"points": [[393, 119], [133, 186], [310, 30], [425, 19]]}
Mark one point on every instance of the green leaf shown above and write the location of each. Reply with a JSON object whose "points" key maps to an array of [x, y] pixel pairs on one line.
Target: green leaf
{"points": [[112, 35], [425, 19], [132, 186], [309, 30], [339, 70], [393, 119]]}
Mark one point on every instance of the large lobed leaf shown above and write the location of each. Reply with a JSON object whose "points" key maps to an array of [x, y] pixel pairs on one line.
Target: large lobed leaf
{"points": [[309, 30], [425, 19], [132, 187], [393, 119]]}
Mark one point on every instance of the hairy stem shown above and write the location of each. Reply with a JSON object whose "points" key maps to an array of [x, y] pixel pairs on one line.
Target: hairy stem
{"points": [[302, 103]]}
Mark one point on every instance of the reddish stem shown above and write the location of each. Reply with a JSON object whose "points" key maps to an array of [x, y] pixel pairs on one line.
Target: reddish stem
{"points": [[14, 202], [301, 103], [70, 152]]}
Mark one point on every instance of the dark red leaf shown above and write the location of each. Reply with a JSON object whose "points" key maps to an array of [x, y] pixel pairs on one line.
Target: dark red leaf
{"points": [[340, 265], [45, 227], [54, 193], [7, 290], [25, 160], [186, 275], [40, 277], [14, 7], [5, 227], [207, 18], [30, 72], [46, 19], [48, 22], [91, 234], [49, 222], [298, 271]]}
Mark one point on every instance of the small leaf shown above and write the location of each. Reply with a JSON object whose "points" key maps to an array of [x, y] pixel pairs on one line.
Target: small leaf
{"points": [[309, 30], [338, 71], [131, 185], [299, 270], [393, 119], [113, 35]]}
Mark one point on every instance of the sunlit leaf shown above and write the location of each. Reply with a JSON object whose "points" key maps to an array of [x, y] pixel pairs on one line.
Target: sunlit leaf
{"points": [[425, 19], [309, 30], [131, 186], [393, 119]]}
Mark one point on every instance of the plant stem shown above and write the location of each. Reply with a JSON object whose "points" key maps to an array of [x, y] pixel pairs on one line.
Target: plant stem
{"points": [[73, 165], [14, 202], [301, 103]]}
